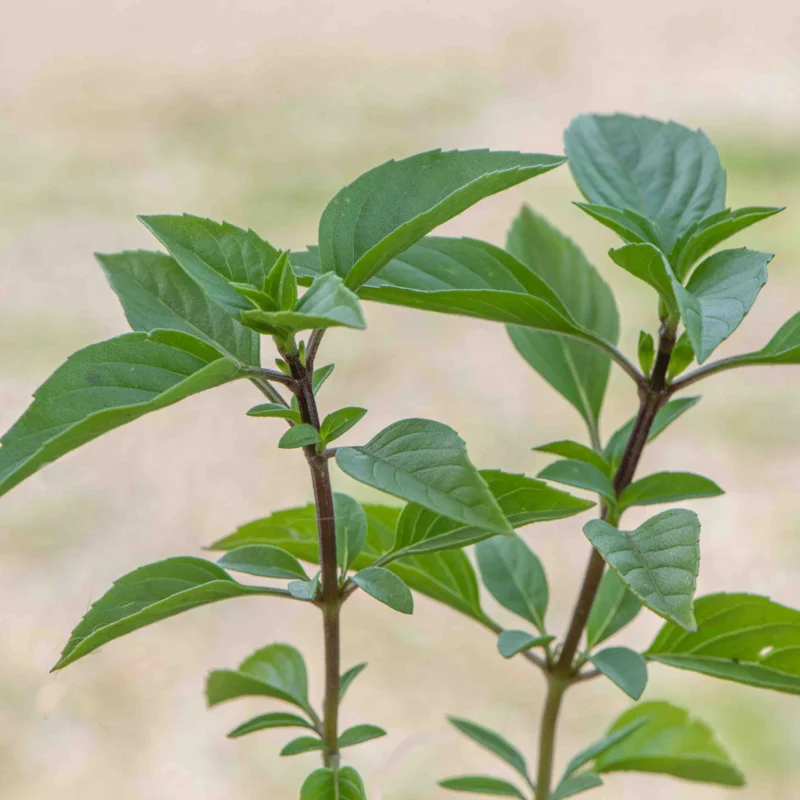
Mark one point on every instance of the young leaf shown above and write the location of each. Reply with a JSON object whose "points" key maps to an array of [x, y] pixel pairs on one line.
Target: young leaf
{"points": [[510, 643], [274, 410], [669, 743], [215, 255], [576, 784], [351, 529], [515, 578], [682, 356], [581, 475], [658, 561], [482, 784], [321, 374], [630, 225], [359, 734], [277, 671], [577, 452], [599, 747], [339, 422], [302, 435], [157, 294], [649, 264], [425, 462], [364, 227], [385, 587], [646, 352], [150, 594], [303, 744], [281, 284], [348, 677], [304, 590], [624, 667], [667, 173], [104, 386], [277, 719], [668, 487], [263, 560], [740, 637], [494, 743], [614, 607], [325, 784]]}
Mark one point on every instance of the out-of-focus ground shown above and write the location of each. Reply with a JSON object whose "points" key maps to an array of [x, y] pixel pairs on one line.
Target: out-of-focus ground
{"points": [[257, 112]]}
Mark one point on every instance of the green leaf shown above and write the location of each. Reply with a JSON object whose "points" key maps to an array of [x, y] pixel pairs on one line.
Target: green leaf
{"points": [[624, 667], [667, 173], [104, 386], [575, 369], [274, 410], [339, 422], [682, 356], [281, 283], [522, 500], [669, 743], [328, 303], [426, 463], [646, 352], [263, 560], [577, 452], [277, 671], [709, 232], [359, 734], [630, 225], [782, 348], [515, 578], [664, 418], [215, 255], [303, 744], [647, 263], [658, 561], [667, 487], [321, 374], [322, 785], [740, 637], [365, 226], [150, 594], [510, 643], [386, 587], [302, 435], [304, 590], [351, 529], [614, 607], [348, 677], [599, 747], [718, 296], [277, 719], [581, 475], [576, 784], [494, 743], [482, 784], [157, 294]]}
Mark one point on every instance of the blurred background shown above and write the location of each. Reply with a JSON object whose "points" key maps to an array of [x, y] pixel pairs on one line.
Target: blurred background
{"points": [[257, 112]]}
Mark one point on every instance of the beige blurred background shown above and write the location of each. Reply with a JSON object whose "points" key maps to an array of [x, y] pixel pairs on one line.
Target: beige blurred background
{"points": [[257, 112]]}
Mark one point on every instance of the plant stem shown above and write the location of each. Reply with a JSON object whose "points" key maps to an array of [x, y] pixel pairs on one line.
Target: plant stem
{"points": [[547, 740]]}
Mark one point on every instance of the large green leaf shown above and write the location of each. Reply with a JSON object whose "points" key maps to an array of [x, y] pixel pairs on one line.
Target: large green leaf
{"points": [[150, 594], [104, 386], [515, 577], [575, 369], [624, 667], [658, 561], [740, 637], [156, 293], [614, 607], [670, 743], [325, 784], [668, 487], [668, 173], [425, 462], [386, 210], [216, 255], [523, 500], [482, 784]]}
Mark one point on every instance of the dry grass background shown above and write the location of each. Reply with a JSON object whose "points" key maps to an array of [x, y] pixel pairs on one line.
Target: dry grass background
{"points": [[257, 112]]}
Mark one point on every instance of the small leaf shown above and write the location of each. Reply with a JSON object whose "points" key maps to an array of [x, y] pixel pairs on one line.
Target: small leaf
{"points": [[576, 784], [510, 643], [614, 607], [577, 452], [339, 422], [322, 785], [303, 744], [634, 228], [494, 743], [647, 352], [263, 560], [275, 410], [649, 264], [599, 747], [624, 667], [426, 463], [667, 487], [744, 638], [277, 671], [669, 743], [277, 719], [348, 677], [581, 475], [385, 587], [359, 734], [149, 594], [281, 284], [302, 435], [515, 578], [304, 590], [658, 561], [351, 529], [682, 356], [482, 784], [321, 374]]}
